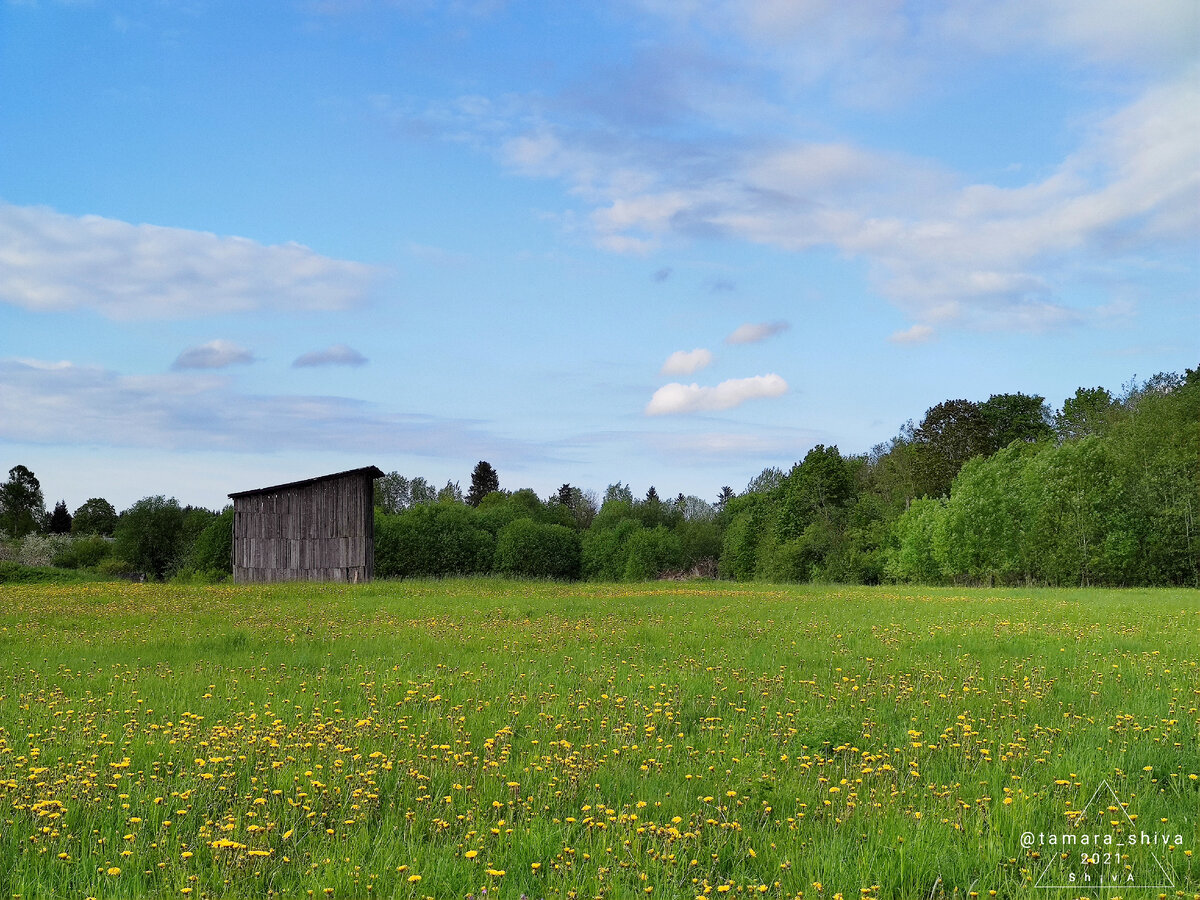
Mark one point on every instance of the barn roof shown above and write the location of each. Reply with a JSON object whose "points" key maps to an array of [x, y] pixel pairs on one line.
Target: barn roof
{"points": [[371, 471]]}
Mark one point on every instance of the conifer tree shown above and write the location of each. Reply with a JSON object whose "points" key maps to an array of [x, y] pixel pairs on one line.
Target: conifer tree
{"points": [[484, 480]]}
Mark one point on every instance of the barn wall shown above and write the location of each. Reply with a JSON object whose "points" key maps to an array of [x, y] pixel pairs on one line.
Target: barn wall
{"points": [[316, 532]]}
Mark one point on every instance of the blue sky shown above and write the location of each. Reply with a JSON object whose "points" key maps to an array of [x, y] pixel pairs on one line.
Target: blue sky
{"points": [[664, 242]]}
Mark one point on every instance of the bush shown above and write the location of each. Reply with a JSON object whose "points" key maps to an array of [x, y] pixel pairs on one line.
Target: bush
{"points": [[211, 554], [651, 552], [40, 549], [433, 539], [84, 552], [605, 549], [115, 567], [526, 549], [701, 542], [15, 573]]}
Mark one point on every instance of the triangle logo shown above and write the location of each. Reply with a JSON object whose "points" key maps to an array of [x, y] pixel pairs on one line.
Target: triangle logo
{"points": [[1103, 850]]}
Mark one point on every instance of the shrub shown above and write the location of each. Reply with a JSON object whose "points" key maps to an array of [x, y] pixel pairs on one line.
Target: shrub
{"points": [[15, 573], [115, 567], [433, 539], [527, 549], [701, 542], [605, 550], [40, 549], [211, 554], [651, 552], [85, 552]]}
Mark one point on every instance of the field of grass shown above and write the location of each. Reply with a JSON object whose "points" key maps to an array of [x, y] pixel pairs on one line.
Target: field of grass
{"points": [[501, 739]]}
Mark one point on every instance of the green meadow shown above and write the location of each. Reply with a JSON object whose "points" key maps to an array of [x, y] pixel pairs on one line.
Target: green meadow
{"points": [[485, 738]]}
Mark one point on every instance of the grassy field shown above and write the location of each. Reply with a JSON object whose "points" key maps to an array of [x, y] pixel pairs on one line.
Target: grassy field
{"points": [[503, 739]]}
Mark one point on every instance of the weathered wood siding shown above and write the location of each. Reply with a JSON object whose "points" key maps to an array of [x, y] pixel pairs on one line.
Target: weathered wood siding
{"points": [[322, 530]]}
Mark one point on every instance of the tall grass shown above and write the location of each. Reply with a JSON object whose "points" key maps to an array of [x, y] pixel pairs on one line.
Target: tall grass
{"points": [[441, 739]]}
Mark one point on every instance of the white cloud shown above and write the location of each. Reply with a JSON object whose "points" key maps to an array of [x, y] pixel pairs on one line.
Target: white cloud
{"points": [[753, 332], [51, 262], [685, 362], [337, 355], [677, 398], [213, 355]]}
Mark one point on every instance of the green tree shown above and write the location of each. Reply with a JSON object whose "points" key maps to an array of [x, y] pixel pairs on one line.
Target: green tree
{"points": [[766, 481], [1090, 411], [816, 488], [744, 519], [1016, 417], [86, 551], [950, 434], [498, 509], [652, 512], [615, 492], [919, 543], [580, 504], [605, 547], [450, 493], [211, 554], [95, 516], [484, 480], [150, 536], [701, 543], [988, 515], [22, 507]]}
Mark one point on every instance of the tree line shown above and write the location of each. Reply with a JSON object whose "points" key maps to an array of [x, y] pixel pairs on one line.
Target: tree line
{"points": [[1104, 490]]}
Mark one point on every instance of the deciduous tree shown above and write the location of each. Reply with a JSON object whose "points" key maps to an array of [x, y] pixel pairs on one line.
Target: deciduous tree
{"points": [[96, 516], [22, 507]]}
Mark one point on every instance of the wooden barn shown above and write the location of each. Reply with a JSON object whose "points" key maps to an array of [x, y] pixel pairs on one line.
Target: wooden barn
{"points": [[320, 529]]}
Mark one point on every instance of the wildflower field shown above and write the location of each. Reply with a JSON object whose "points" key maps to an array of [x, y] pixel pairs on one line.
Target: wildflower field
{"points": [[499, 739]]}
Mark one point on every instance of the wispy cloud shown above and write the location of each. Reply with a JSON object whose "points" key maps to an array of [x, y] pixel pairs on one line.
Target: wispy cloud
{"points": [[52, 262], [942, 250], [337, 355], [917, 334], [685, 362], [63, 403], [675, 398], [753, 332], [214, 355], [949, 250], [768, 444]]}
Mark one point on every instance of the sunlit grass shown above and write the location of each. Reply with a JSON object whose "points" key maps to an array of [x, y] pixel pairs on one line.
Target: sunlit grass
{"points": [[668, 740]]}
